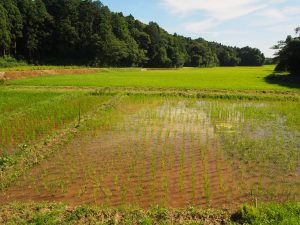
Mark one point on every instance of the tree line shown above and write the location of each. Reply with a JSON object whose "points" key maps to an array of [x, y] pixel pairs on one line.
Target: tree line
{"points": [[288, 55], [87, 32]]}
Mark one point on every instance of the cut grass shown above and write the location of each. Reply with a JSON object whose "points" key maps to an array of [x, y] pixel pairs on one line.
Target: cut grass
{"points": [[232, 78]]}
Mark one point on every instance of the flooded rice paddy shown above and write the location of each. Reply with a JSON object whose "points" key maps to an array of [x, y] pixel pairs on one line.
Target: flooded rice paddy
{"points": [[175, 153]]}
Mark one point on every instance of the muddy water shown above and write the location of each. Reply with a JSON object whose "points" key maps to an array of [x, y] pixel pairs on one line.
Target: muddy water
{"points": [[173, 155]]}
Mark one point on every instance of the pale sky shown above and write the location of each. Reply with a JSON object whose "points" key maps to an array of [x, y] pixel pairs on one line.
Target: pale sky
{"points": [[256, 23]]}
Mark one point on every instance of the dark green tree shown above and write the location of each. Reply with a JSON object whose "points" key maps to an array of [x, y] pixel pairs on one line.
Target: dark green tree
{"points": [[15, 23], [288, 55], [227, 57], [4, 31], [251, 57], [87, 32], [36, 22]]}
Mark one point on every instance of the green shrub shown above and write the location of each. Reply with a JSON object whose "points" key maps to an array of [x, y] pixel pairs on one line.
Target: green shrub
{"points": [[7, 62]]}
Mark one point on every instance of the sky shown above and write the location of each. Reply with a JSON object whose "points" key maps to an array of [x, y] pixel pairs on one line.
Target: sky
{"points": [[255, 23]]}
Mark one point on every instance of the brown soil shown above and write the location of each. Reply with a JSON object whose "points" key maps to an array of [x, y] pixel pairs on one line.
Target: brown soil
{"points": [[12, 75]]}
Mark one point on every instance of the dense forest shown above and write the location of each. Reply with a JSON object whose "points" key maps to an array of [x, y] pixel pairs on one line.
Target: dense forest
{"points": [[87, 32]]}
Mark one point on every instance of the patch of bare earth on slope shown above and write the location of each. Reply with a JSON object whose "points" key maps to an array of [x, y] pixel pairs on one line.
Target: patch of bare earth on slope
{"points": [[13, 75]]}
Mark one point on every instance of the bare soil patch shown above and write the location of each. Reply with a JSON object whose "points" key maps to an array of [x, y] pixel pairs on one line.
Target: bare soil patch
{"points": [[12, 75]]}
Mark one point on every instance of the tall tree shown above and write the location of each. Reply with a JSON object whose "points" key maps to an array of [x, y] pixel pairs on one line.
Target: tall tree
{"points": [[4, 31], [87, 32], [288, 55], [251, 56], [15, 23], [35, 27]]}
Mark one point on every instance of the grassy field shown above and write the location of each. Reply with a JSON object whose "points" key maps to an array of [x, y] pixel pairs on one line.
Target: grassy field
{"points": [[28, 115], [146, 140], [243, 78]]}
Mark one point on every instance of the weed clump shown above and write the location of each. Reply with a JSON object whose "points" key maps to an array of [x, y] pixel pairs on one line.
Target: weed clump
{"points": [[287, 213]]}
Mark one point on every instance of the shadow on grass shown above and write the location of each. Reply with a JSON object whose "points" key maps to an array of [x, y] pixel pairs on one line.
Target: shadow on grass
{"points": [[287, 80]]}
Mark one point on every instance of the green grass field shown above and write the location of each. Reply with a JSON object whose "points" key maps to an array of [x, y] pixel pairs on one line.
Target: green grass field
{"points": [[29, 115], [211, 138], [239, 78]]}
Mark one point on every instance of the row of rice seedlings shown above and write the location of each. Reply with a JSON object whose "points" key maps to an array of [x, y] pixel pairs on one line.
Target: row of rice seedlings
{"points": [[135, 142], [159, 151], [164, 161], [139, 157], [144, 151], [182, 160], [165, 151], [188, 119], [203, 153], [219, 159], [153, 165], [165, 148], [193, 179]]}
